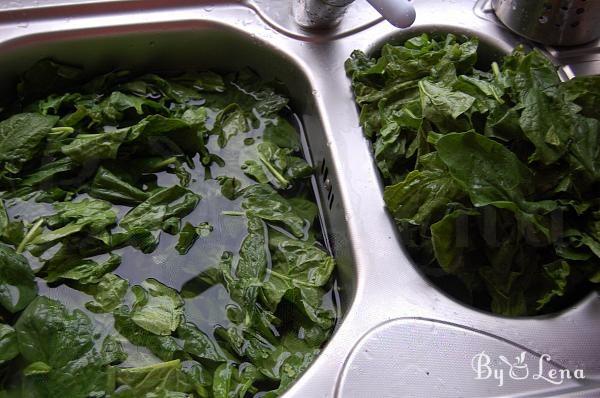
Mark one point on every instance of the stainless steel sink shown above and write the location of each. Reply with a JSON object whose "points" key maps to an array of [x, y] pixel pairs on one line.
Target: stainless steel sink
{"points": [[399, 335]]}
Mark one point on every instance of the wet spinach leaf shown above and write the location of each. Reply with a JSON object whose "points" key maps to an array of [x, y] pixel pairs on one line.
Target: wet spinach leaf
{"points": [[20, 138], [59, 345], [157, 307], [9, 347], [189, 234], [17, 286]]}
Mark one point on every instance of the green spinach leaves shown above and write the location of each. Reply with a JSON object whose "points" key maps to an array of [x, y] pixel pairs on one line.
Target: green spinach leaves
{"points": [[108, 202], [491, 176]]}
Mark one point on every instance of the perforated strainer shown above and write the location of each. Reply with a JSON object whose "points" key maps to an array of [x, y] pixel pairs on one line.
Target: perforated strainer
{"points": [[553, 22]]}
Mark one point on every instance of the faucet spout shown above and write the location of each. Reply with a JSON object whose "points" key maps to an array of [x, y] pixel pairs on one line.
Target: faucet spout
{"points": [[323, 14]]}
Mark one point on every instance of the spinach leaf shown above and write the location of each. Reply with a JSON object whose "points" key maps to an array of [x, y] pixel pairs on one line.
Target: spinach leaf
{"points": [[79, 378], [88, 215], [189, 234], [48, 172], [230, 381], [290, 360], [204, 81], [422, 195], [446, 236], [557, 272], [164, 347], [489, 172], [299, 272], [88, 147], [281, 133], [253, 95], [157, 308], [114, 106], [112, 351], [47, 76], [9, 348], [47, 325], [229, 122], [549, 135], [84, 271], [276, 166], [11, 232], [244, 280], [17, 285], [166, 377], [163, 204], [20, 138], [177, 130], [584, 153], [230, 187], [265, 203], [108, 186], [63, 342], [491, 175], [198, 344], [108, 293], [583, 90], [440, 104]]}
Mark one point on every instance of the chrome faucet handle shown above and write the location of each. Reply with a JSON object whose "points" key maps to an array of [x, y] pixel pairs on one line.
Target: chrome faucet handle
{"points": [[400, 13], [322, 14]]}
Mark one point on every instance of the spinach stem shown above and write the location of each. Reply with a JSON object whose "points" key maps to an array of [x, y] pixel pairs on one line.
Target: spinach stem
{"points": [[233, 213], [61, 130], [162, 164], [297, 281], [496, 70], [274, 171], [30, 234]]}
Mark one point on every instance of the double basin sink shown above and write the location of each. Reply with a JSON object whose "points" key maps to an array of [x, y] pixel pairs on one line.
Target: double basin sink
{"points": [[398, 334]]}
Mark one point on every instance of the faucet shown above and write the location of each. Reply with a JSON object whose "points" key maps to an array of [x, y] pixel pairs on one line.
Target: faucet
{"points": [[322, 14]]}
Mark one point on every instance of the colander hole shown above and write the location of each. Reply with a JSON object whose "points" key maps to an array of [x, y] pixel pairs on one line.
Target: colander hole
{"points": [[575, 24], [557, 25], [564, 8], [543, 19], [580, 11], [325, 173], [548, 6]]}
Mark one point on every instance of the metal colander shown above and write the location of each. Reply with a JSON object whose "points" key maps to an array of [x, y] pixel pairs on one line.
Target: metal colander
{"points": [[553, 22]]}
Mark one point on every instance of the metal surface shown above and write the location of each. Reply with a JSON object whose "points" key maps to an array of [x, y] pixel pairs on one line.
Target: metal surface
{"points": [[573, 61], [424, 351], [324, 14], [381, 290], [553, 22]]}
